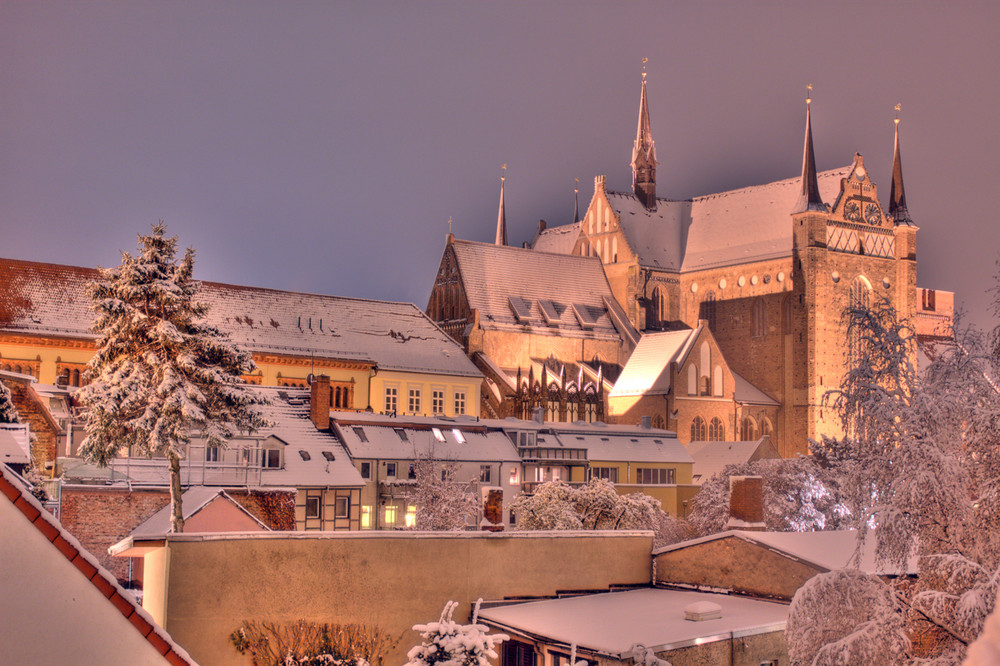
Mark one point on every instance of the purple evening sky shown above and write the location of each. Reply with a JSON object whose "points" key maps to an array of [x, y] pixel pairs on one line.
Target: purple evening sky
{"points": [[322, 146]]}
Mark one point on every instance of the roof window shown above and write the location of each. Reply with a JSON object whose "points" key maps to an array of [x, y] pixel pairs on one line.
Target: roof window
{"points": [[521, 308], [305, 455], [438, 435], [459, 435], [402, 434], [328, 455], [360, 432]]}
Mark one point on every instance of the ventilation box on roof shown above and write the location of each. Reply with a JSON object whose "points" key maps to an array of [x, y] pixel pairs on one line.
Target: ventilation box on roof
{"points": [[700, 611]]}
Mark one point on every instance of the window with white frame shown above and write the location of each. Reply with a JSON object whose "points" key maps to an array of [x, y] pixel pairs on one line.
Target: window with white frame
{"points": [[314, 507], [485, 474], [653, 476], [391, 399], [212, 454], [342, 508], [390, 514], [437, 401], [390, 469], [271, 459], [413, 400], [459, 402]]}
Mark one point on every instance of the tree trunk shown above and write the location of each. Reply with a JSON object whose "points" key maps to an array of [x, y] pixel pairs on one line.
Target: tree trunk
{"points": [[176, 510]]}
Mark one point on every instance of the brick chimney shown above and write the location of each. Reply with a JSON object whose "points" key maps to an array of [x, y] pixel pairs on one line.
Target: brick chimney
{"points": [[319, 402], [746, 503]]}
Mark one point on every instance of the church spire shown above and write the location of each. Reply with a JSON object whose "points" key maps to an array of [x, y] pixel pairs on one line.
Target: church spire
{"points": [[644, 153], [897, 197], [810, 198], [502, 215], [576, 201]]}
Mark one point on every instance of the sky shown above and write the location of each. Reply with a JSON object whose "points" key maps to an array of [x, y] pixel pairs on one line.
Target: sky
{"points": [[323, 146]]}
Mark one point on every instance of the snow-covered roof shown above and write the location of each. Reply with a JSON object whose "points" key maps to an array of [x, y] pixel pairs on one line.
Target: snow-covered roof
{"points": [[293, 426], [647, 371], [15, 447], [829, 550], [612, 623], [655, 236], [710, 458], [559, 239], [747, 394], [407, 438], [662, 447], [518, 289], [52, 299], [193, 500]]}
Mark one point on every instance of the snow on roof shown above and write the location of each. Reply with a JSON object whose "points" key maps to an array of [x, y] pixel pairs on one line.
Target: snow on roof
{"points": [[14, 443], [411, 437], [192, 501], [710, 458], [52, 299], [829, 550], [747, 224], [493, 275], [293, 426], [663, 447], [67, 545], [612, 623], [746, 393], [559, 240], [648, 368]]}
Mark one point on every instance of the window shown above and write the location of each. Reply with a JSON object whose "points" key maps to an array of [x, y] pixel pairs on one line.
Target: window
{"points": [[459, 402], [540, 475], [360, 432], [515, 477], [366, 517], [402, 434], [390, 514], [459, 435], [341, 508], [692, 379], [786, 315], [759, 318], [717, 386], [413, 401], [390, 469], [271, 459], [437, 401], [328, 455], [767, 428], [212, 454], [438, 435], [652, 476], [609, 473], [527, 439], [748, 429], [699, 432], [485, 474], [927, 300], [716, 431], [391, 399], [709, 308], [366, 470], [516, 653], [861, 291], [410, 520], [313, 507]]}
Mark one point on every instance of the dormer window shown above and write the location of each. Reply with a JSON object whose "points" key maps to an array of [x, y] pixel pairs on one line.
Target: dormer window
{"points": [[270, 459]]}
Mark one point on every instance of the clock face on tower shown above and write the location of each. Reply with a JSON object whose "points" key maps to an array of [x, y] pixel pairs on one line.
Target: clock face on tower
{"points": [[872, 214]]}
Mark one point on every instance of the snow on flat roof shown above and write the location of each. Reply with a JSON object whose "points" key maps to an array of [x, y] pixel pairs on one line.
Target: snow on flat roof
{"points": [[648, 368], [612, 623], [830, 550], [52, 299]]}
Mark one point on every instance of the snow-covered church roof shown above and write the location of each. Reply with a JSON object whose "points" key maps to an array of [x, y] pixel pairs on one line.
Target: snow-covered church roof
{"points": [[51, 299]]}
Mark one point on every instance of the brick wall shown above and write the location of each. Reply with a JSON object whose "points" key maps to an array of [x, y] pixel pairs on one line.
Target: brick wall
{"points": [[35, 414]]}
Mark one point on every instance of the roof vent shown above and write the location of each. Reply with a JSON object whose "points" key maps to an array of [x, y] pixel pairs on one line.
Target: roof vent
{"points": [[700, 611]]}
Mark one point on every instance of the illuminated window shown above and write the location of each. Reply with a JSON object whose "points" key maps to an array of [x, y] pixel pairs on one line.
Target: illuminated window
{"points": [[410, 520], [413, 401], [459, 402], [437, 401], [390, 515], [515, 477], [366, 517], [391, 399]]}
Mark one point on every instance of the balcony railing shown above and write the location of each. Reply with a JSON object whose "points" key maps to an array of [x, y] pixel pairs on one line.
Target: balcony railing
{"points": [[242, 468], [548, 453]]}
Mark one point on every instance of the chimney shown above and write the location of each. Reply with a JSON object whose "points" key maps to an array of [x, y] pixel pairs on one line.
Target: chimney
{"points": [[319, 402], [746, 503], [647, 422], [538, 414]]}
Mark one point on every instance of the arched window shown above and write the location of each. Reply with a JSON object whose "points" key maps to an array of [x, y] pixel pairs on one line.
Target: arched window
{"points": [[705, 358], [708, 309], [614, 249], [698, 430], [759, 318], [748, 429], [786, 315], [692, 380], [716, 431], [717, 388], [75, 378], [658, 311], [767, 428], [861, 293]]}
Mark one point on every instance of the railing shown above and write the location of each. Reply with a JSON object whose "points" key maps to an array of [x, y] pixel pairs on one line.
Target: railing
{"points": [[243, 468], [546, 453], [529, 487]]}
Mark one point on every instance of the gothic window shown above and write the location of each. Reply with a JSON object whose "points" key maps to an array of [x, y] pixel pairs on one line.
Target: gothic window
{"points": [[699, 433], [927, 299], [861, 291], [748, 429], [692, 380], [658, 311], [759, 318], [786, 315], [614, 249], [716, 431], [717, 381], [705, 358], [708, 309], [767, 428]]}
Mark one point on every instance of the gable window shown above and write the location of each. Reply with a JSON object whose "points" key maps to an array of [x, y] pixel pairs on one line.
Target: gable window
{"points": [[716, 431], [459, 402], [692, 379], [271, 459], [341, 508], [391, 399], [699, 431], [437, 401], [717, 381], [413, 401]]}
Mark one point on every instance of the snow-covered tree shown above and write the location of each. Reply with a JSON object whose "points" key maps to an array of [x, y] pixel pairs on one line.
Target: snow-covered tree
{"points": [[160, 372], [449, 643], [8, 411], [443, 502]]}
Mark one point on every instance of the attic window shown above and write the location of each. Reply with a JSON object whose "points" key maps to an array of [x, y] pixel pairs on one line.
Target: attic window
{"points": [[402, 434], [328, 455], [521, 308], [549, 312], [360, 432], [305, 455], [586, 316], [438, 435], [459, 435]]}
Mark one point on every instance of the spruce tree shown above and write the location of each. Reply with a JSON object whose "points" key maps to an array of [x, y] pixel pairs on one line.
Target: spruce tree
{"points": [[8, 412], [160, 373]]}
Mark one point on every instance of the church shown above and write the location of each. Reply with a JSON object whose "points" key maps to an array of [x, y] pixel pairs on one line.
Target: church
{"points": [[766, 271]]}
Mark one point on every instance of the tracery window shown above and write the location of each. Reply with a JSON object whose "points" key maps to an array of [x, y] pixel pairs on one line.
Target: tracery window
{"points": [[699, 432], [716, 430], [759, 318]]}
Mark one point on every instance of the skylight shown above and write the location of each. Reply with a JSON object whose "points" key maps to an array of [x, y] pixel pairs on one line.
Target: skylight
{"points": [[328, 455], [586, 315], [521, 308], [550, 312], [305, 455], [402, 434], [438, 435], [360, 432], [459, 435]]}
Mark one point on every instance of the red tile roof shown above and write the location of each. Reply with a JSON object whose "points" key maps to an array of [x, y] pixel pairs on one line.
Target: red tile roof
{"points": [[51, 529]]}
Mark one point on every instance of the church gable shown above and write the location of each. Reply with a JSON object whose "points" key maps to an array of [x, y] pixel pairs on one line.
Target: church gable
{"points": [[857, 222], [448, 304], [601, 234]]}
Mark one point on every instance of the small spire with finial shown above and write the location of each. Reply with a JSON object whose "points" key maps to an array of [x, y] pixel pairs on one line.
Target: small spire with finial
{"points": [[449, 224], [809, 93], [897, 195], [501, 238], [897, 108], [810, 199], [576, 200], [644, 61]]}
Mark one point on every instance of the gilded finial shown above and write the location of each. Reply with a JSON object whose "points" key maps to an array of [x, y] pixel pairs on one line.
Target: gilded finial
{"points": [[644, 61], [503, 173], [897, 108], [809, 90]]}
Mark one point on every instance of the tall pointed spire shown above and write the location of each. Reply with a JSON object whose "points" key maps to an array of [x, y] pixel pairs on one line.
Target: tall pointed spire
{"points": [[576, 201], [502, 215], [644, 153], [810, 198], [897, 197]]}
